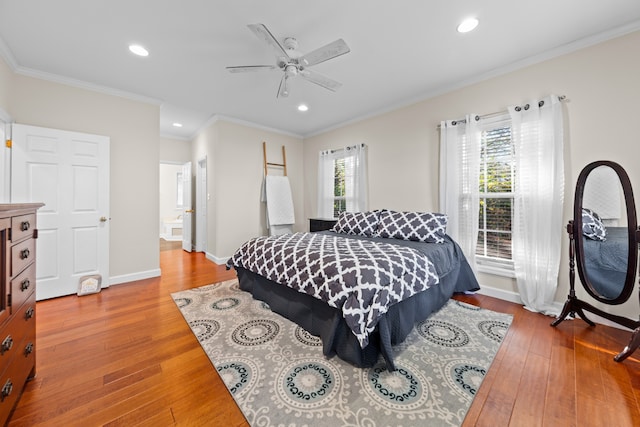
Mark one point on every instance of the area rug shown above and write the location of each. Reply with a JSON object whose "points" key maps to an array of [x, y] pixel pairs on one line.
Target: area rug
{"points": [[278, 375]]}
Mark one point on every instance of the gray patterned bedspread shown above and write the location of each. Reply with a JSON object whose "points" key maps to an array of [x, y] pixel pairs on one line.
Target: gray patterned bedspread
{"points": [[361, 278]]}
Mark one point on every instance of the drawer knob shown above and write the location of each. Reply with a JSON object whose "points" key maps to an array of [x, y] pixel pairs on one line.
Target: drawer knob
{"points": [[6, 345], [28, 314], [24, 254], [24, 226], [6, 389], [28, 349], [24, 285]]}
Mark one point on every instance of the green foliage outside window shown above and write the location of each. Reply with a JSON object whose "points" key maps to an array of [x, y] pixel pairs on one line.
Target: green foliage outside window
{"points": [[496, 197], [339, 202]]}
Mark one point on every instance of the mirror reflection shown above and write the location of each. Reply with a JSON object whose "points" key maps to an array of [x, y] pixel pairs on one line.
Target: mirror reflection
{"points": [[604, 232]]}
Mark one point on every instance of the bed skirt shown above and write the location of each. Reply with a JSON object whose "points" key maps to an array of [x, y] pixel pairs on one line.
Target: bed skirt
{"points": [[326, 322]]}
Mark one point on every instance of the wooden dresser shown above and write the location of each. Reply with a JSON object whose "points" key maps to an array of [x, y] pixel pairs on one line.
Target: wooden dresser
{"points": [[17, 301]]}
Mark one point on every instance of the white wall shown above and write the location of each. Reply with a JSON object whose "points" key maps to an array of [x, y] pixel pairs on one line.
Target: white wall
{"points": [[602, 86], [235, 173], [133, 127]]}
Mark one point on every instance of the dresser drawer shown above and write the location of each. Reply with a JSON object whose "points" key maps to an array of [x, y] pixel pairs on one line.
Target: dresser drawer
{"points": [[22, 226], [22, 287], [27, 313], [22, 254], [21, 327], [13, 379]]}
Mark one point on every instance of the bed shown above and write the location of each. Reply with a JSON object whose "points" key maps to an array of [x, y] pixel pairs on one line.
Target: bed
{"points": [[606, 261], [606, 254], [394, 277]]}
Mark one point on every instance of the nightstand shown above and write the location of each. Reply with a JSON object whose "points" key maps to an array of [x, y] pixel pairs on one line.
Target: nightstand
{"points": [[320, 224]]}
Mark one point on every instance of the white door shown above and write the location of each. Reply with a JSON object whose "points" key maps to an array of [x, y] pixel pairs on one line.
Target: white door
{"points": [[201, 206], [5, 167], [69, 173], [187, 208]]}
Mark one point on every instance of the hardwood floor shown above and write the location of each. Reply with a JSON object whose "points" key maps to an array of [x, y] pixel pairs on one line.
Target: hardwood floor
{"points": [[126, 357]]}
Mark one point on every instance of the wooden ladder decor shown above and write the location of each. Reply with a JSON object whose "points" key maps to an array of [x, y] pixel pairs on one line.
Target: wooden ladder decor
{"points": [[284, 159]]}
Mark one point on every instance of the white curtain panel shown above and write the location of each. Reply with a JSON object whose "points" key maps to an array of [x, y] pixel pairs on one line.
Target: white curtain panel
{"points": [[539, 188], [325, 183], [460, 146], [355, 158], [356, 192]]}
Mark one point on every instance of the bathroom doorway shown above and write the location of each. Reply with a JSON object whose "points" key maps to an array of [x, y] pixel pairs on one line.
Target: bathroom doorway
{"points": [[170, 202]]}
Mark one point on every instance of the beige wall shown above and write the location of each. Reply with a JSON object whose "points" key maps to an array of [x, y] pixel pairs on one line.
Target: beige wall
{"points": [[133, 127], [174, 150], [602, 86], [235, 173]]}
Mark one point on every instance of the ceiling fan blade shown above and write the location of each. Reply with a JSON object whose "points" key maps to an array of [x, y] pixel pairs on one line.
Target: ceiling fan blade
{"points": [[337, 48], [264, 34], [320, 80], [250, 68], [283, 90]]}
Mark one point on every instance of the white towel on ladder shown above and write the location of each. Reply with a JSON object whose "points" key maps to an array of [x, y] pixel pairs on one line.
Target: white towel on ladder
{"points": [[280, 214]]}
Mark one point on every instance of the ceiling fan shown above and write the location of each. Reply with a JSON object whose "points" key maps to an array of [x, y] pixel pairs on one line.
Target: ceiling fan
{"points": [[292, 63]]}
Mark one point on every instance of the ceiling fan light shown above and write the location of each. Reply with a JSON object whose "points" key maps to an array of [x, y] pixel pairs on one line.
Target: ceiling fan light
{"points": [[291, 70], [467, 25]]}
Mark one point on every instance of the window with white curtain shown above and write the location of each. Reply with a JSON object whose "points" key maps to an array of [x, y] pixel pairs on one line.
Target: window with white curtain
{"points": [[502, 187], [496, 195], [342, 181]]}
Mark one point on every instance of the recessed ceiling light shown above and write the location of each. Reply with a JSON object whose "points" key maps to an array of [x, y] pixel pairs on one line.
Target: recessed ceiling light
{"points": [[177, 125], [138, 50], [467, 25], [303, 107]]}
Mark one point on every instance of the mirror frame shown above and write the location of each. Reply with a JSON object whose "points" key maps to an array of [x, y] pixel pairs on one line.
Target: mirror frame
{"points": [[632, 225]]}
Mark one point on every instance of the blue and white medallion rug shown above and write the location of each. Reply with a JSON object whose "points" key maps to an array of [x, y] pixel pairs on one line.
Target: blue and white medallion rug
{"points": [[278, 375]]}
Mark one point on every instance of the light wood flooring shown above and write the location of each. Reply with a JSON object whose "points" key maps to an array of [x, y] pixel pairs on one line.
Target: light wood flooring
{"points": [[126, 357]]}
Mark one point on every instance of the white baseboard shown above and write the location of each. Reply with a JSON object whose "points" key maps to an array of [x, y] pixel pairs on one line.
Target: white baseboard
{"points": [[211, 257], [500, 294], [125, 278], [515, 298]]}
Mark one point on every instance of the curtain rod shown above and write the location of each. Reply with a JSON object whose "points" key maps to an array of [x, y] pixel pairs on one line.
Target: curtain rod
{"points": [[497, 113], [343, 149]]}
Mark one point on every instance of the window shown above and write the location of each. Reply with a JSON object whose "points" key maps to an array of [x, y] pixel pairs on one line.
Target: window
{"points": [[496, 186], [342, 181], [339, 193], [179, 190]]}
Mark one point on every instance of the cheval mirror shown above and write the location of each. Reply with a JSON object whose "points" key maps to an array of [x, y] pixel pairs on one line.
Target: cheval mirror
{"points": [[603, 239]]}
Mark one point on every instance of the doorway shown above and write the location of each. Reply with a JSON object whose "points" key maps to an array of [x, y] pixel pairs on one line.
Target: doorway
{"points": [[170, 202], [69, 173]]}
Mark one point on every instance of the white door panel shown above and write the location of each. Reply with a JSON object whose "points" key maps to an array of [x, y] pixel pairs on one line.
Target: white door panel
{"points": [[69, 173], [187, 208], [5, 166]]}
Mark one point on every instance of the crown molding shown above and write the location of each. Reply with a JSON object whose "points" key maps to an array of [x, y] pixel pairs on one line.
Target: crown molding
{"points": [[7, 55], [81, 84], [514, 66], [217, 117], [13, 64]]}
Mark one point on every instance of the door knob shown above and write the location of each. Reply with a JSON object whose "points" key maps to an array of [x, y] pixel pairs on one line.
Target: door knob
{"points": [[189, 211], [103, 219]]}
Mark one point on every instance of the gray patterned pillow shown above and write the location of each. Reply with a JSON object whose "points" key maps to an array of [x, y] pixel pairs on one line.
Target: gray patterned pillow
{"points": [[357, 223], [419, 226], [592, 226]]}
